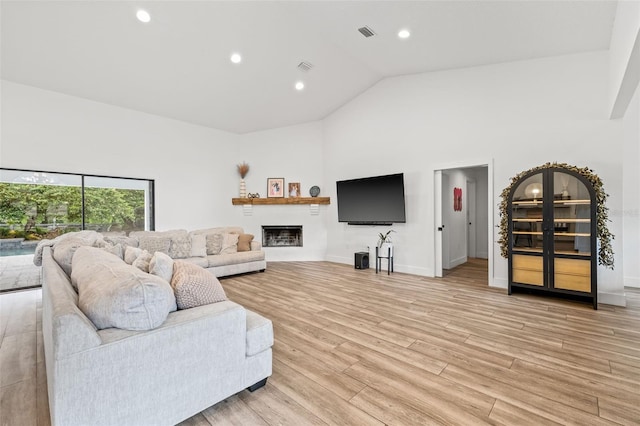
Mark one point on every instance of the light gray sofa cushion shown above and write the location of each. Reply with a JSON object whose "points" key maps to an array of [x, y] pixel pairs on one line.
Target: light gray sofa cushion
{"points": [[235, 258], [161, 265], [114, 294], [200, 261], [66, 245]]}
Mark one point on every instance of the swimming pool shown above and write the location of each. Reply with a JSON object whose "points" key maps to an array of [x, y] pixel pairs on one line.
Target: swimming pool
{"points": [[18, 251]]}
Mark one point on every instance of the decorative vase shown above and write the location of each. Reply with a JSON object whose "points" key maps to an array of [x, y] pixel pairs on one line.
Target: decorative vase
{"points": [[383, 251], [243, 189]]}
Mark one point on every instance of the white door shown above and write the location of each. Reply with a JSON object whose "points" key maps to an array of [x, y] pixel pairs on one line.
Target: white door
{"points": [[437, 183], [471, 218]]}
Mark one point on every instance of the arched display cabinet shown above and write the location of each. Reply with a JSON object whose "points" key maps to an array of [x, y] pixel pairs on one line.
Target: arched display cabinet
{"points": [[552, 234]]}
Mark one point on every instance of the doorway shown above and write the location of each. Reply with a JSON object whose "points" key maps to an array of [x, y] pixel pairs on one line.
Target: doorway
{"points": [[463, 216]]}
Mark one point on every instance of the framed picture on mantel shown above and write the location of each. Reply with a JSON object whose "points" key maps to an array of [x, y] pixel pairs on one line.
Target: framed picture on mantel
{"points": [[294, 189], [275, 187]]}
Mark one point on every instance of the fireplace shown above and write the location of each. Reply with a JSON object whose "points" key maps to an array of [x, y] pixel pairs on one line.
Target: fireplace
{"points": [[282, 236]]}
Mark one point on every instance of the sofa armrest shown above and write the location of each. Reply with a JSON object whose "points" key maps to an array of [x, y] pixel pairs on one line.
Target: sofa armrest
{"points": [[160, 376], [256, 245]]}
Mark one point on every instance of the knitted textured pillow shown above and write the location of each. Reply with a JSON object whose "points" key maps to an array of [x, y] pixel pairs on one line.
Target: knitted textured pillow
{"points": [[194, 286]]}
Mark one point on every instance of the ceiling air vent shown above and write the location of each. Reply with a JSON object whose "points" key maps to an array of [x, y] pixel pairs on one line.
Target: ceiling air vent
{"points": [[366, 31], [304, 66]]}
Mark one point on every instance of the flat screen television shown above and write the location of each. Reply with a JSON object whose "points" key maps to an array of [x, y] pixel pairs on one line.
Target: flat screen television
{"points": [[377, 200]]}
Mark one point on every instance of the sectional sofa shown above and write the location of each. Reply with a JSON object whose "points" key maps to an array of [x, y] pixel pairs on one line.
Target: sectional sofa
{"points": [[222, 251], [158, 365]]}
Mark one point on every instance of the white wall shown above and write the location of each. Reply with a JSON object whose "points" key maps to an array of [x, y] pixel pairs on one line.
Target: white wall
{"points": [[521, 114], [624, 51], [295, 154], [193, 166], [631, 193]]}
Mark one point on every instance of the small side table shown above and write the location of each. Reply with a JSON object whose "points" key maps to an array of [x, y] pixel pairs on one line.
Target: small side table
{"points": [[380, 256]]}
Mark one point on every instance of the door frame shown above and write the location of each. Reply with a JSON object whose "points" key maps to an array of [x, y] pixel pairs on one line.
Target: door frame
{"points": [[437, 216]]}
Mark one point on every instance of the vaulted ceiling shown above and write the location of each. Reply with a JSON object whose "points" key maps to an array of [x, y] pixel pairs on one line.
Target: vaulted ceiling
{"points": [[177, 65]]}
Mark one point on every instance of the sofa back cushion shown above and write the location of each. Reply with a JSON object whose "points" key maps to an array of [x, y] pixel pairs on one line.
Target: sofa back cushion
{"points": [[66, 329], [176, 242], [66, 245], [112, 293]]}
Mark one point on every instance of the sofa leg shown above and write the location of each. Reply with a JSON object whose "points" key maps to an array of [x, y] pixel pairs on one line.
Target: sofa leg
{"points": [[256, 386], [262, 270]]}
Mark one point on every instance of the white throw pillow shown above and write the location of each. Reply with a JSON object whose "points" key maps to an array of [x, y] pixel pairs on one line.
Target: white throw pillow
{"points": [[198, 245], [162, 266], [229, 243]]}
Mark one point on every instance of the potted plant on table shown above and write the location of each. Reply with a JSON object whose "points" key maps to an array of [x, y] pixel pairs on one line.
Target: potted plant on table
{"points": [[385, 246]]}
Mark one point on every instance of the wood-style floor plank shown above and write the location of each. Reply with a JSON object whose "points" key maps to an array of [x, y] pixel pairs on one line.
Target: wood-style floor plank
{"points": [[355, 347]]}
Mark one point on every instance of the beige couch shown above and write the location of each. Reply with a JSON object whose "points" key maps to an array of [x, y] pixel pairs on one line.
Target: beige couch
{"points": [[178, 244], [231, 263]]}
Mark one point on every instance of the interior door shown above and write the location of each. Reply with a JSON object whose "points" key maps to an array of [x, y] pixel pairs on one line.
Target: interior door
{"points": [[471, 219], [437, 187]]}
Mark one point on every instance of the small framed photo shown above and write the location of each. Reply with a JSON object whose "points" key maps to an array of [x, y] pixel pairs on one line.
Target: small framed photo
{"points": [[275, 187], [294, 189]]}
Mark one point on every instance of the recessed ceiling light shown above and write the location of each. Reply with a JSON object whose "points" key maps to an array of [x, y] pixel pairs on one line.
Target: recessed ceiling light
{"points": [[236, 58], [299, 85], [404, 34], [143, 16]]}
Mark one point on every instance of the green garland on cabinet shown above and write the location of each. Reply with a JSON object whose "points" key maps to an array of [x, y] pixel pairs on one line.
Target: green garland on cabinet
{"points": [[605, 251]]}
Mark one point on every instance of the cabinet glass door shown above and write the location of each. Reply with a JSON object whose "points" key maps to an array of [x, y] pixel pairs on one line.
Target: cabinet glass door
{"points": [[571, 233], [527, 232]]}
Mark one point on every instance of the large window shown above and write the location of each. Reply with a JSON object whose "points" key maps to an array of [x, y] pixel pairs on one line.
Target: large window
{"points": [[36, 205]]}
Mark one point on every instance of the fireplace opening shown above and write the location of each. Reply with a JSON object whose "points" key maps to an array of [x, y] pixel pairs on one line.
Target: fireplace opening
{"points": [[282, 236]]}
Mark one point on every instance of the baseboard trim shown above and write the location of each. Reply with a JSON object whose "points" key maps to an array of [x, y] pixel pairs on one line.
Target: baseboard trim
{"points": [[457, 262], [615, 299], [499, 283], [405, 269], [631, 282]]}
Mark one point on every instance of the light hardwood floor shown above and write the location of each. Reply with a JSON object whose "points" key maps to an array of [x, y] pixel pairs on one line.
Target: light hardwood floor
{"points": [[356, 348]]}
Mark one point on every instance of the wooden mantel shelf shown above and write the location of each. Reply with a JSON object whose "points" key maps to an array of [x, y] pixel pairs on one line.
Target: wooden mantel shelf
{"points": [[272, 201]]}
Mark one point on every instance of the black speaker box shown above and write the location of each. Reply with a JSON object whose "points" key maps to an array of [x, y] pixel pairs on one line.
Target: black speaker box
{"points": [[361, 260]]}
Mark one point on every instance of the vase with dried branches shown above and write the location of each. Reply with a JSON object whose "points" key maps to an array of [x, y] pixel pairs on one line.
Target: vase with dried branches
{"points": [[243, 169]]}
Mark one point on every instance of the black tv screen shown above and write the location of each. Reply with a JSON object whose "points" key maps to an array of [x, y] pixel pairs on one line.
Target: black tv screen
{"points": [[375, 200]]}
